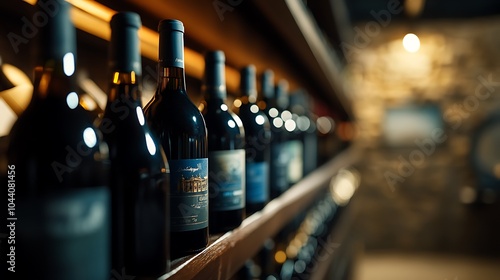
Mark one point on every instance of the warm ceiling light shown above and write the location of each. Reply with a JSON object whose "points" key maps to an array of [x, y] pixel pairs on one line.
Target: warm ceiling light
{"points": [[413, 8], [411, 43]]}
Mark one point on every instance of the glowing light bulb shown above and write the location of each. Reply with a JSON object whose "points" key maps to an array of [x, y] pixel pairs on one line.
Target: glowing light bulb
{"points": [[411, 43]]}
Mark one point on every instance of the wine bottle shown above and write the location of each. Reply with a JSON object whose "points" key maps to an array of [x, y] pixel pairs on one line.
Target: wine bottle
{"points": [[279, 161], [306, 127], [182, 132], [294, 146], [139, 179], [58, 167], [226, 150], [257, 138]]}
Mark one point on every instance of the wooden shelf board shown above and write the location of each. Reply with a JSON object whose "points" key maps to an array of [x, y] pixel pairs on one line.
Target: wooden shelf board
{"points": [[222, 258]]}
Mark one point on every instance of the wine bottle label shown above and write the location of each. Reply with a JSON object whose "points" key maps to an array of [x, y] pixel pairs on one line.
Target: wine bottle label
{"points": [[188, 194], [227, 180], [257, 189], [295, 167], [65, 236], [279, 166]]}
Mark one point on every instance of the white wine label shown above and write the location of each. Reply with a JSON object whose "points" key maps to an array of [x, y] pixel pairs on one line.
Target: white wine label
{"points": [[65, 235], [188, 194], [257, 188], [227, 180]]}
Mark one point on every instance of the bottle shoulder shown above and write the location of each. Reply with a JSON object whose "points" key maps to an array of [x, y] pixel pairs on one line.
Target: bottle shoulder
{"points": [[174, 112], [49, 116], [222, 121], [128, 135], [58, 147]]}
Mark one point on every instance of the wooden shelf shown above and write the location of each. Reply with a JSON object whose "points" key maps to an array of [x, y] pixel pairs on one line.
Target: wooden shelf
{"points": [[222, 258]]}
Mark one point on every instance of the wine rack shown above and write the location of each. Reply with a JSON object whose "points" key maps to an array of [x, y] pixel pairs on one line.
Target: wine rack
{"points": [[228, 252]]}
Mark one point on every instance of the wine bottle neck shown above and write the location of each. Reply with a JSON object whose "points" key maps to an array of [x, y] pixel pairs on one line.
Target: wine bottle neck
{"points": [[55, 78], [124, 85], [215, 92], [214, 84], [171, 79], [214, 101]]}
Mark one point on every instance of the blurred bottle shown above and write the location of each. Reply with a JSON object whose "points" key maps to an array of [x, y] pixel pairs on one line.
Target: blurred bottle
{"points": [[58, 168], [257, 139], [294, 145], [182, 132], [139, 179], [278, 174], [306, 128], [226, 153]]}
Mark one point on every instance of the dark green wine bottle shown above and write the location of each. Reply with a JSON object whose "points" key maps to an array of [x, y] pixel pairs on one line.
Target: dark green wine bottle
{"points": [[278, 164], [181, 130], [226, 150], [139, 179], [257, 139], [60, 167]]}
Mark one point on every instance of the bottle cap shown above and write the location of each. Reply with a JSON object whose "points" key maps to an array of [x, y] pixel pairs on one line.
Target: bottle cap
{"points": [[281, 94], [58, 36], [247, 83], [124, 53], [215, 78], [268, 84], [171, 47]]}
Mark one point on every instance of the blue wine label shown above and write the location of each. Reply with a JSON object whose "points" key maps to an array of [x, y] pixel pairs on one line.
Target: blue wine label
{"points": [[280, 159], [227, 180], [295, 167], [65, 235], [188, 194], [257, 189]]}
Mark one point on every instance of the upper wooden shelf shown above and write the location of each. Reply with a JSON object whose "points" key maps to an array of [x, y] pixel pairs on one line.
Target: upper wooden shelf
{"points": [[282, 36], [222, 258], [279, 35]]}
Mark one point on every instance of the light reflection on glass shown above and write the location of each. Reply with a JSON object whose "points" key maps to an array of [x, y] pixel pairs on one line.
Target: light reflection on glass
{"points": [[237, 103], [278, 122], [223, 107], [260, 120], [72, 100], [324, 124], [273, 112], [89, 137], [194, 118], [290, 125], [303, 123], [231, 124], [69, 64], [254, 108], [150, 144], [140, 115], [237, 120], [286, 115]]}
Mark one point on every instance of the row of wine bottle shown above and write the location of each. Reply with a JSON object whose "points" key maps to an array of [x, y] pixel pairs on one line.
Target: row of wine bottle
{"points": [[137, 187], [307, 244]]}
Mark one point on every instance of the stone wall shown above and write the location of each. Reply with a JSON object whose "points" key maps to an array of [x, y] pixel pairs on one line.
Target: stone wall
{"points": [[457, 68]]}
